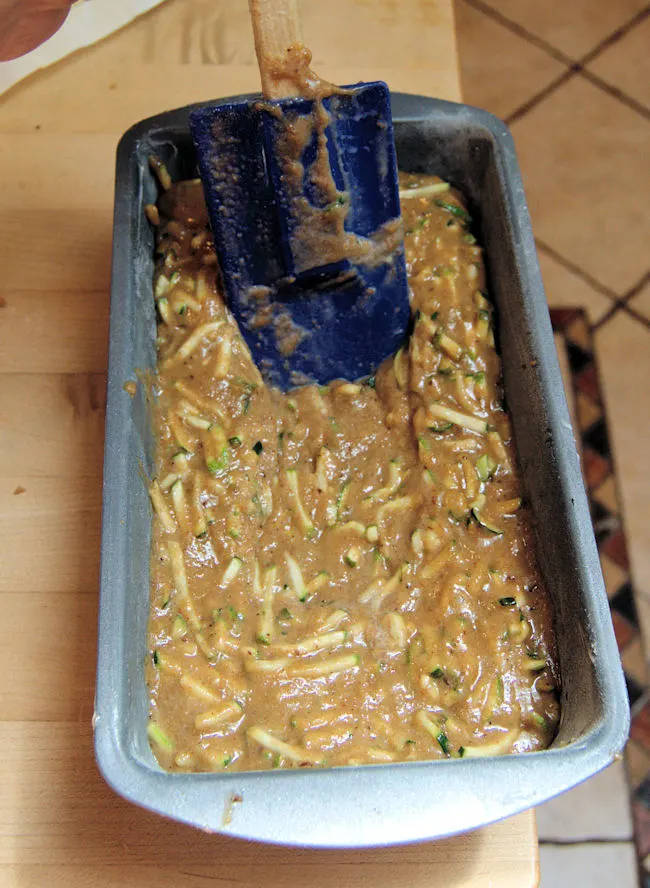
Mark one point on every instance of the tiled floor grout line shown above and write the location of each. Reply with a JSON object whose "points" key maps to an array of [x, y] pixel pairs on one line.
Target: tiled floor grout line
{"points": [[609, 314], [551, 50], [577, 270], [615, 36], [501, 19], [619, 303], [621, 306], [574, 66], [615, 92], [636, 289], [548, 90], [576, 70], [635, 314], [622, 303]]}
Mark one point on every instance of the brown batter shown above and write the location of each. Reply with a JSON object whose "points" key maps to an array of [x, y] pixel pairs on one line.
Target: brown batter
{"points": [[318, 234], [340, 575]]}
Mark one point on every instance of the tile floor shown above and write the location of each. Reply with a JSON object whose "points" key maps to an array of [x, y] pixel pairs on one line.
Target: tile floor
{"points": [[572, 78]]}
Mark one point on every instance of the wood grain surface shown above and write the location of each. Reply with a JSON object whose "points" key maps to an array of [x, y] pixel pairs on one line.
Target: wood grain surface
{"points": [[61, 825]]}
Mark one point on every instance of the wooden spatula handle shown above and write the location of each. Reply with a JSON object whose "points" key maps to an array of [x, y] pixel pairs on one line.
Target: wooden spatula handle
{"points": [[275, 28]]}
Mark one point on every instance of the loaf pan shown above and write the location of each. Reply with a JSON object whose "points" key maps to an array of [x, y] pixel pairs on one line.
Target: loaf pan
{"points": [[373, 804]]}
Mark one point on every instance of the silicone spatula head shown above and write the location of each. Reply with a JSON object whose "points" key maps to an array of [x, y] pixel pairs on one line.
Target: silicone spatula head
{"points": [[303, 200]]}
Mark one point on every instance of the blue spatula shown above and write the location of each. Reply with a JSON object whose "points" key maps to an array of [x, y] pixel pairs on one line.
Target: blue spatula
{"points": [[301, 188]]}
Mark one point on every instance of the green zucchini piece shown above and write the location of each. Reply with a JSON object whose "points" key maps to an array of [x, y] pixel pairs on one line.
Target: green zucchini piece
{"points": [[352, 557], [232, 570], [158, 736], [372, 533], [455, 210], [179, 626], [485, 467], [476, 515], [215, 465], [443, 740]]}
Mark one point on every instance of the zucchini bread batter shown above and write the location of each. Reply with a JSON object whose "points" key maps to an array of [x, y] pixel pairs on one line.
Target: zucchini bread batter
{"points": [[345, 574]]}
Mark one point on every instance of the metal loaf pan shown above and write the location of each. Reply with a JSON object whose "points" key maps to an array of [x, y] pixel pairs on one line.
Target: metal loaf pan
{"points": [[379, 804]]}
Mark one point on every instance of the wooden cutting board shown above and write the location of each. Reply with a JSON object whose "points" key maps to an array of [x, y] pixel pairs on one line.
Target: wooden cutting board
{"points": [[61, 824]]}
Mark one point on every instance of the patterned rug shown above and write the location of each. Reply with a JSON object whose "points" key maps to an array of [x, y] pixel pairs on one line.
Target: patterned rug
{"points": [[575, 347]]}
